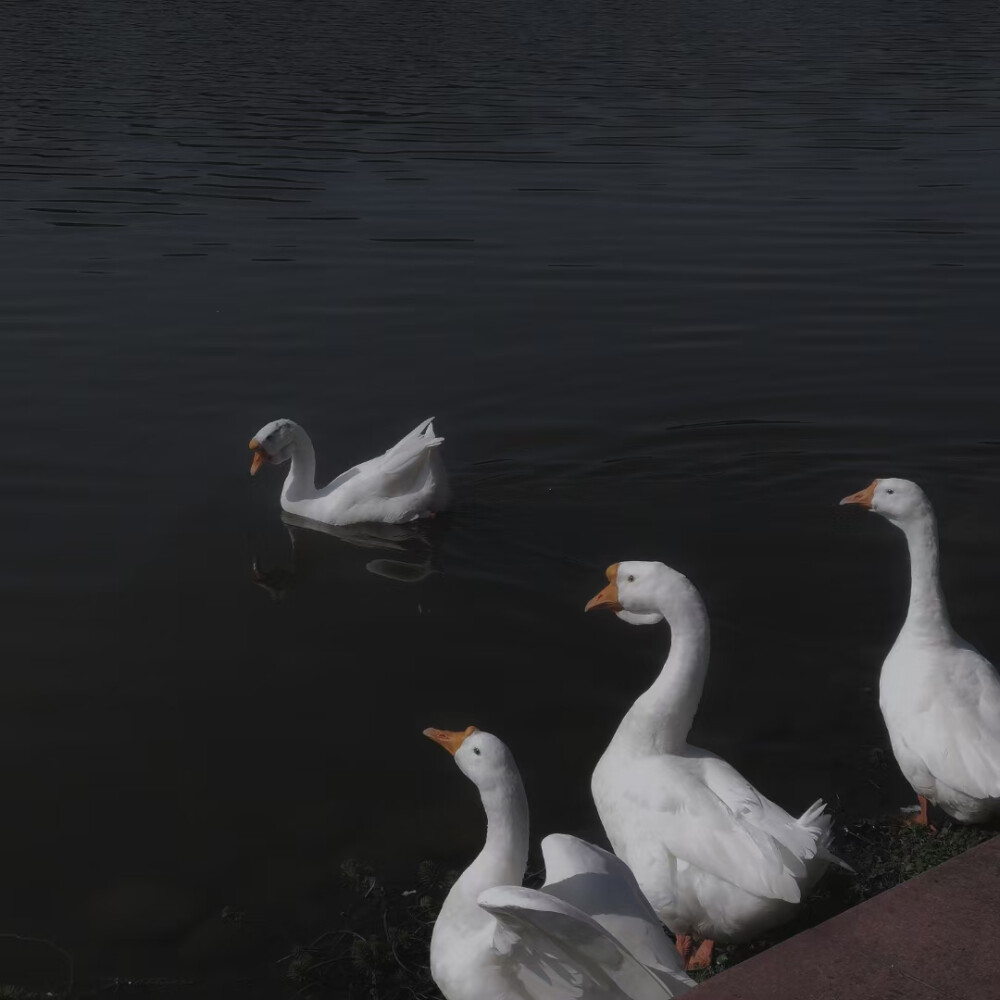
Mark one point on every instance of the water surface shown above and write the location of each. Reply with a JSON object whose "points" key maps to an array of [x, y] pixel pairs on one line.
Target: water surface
{"points": [[673, 280]]}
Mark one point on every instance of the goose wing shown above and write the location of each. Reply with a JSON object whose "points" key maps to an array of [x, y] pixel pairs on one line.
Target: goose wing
{"points": [[603, 886], [405, 467], [703, 811], [963, 725], [555, 950]]}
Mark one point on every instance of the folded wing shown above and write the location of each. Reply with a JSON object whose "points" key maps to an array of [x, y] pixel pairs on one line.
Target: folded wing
{"points": [[965, 723], [711, 817], [405, 467]]}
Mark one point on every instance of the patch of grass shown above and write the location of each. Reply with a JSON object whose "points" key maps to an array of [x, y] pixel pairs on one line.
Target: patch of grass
{"points": [[381, 950], [884, 855]]}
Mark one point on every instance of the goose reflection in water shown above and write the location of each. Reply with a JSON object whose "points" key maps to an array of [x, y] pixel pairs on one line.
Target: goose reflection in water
{"points": [[419, 539]]}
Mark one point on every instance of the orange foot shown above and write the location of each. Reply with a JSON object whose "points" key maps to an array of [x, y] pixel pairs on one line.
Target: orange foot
{"points": [[921, 819], [702, 958], [685, 947], [694, 958]]}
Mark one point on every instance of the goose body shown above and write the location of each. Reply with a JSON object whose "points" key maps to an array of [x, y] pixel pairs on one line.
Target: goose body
{"points": [[406, 483], [717, 859], [587, 933], [940, 697]]}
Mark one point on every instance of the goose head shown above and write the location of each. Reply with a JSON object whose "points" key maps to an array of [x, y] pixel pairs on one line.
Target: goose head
{"points": [[272, 444], [897, 500], [481, 757], [642, 593]]}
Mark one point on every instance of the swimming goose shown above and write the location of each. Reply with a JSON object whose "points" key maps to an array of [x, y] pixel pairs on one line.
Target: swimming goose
{"points": [[587, 933], [716, 858], [405, 483], [939, 696]]}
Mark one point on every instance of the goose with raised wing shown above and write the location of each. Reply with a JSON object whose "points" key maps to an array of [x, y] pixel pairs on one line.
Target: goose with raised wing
{"points": [[588, 933], [406, 483], [940, 697], [717, 860]]}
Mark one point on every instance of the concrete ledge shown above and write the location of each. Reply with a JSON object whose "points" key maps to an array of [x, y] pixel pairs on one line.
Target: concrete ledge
{"points": [[936, 936]]}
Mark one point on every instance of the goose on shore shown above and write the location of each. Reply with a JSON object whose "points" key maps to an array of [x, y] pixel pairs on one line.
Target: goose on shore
{"points": [[939, 696], [588, 933], [717, 860]]}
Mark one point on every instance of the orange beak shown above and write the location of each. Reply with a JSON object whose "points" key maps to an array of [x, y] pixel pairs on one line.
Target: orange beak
{"points": [[607, 598], [259, 456], [863, 497], [449, 740]]}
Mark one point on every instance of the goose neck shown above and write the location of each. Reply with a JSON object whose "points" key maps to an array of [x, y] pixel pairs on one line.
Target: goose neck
{"points": [[300, 483], [927, 611], [661, 718], [504, 856]]}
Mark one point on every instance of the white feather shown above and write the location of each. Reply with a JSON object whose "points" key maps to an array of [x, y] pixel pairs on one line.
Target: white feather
{"points": [[940, 697], [405, 483], [588, 933], [715, 857]]}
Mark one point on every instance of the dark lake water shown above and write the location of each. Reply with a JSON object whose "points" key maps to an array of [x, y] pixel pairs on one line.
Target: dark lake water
{"points": [[672, 278]]}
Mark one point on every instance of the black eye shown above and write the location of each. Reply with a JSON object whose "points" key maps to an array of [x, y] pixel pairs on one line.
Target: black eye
{"points": [[631, 579], [476, 751], [890, 492]]}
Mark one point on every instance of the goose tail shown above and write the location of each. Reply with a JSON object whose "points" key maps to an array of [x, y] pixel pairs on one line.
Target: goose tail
{"points": [[820, 824]]}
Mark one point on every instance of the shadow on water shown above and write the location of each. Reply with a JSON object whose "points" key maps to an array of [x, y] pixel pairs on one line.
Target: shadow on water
{"points": [[420, 540]]}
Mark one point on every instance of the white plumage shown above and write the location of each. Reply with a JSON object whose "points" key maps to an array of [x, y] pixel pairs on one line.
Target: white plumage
{"points": [[588, 933], [406, 483], [939, 696], [716, 858]]}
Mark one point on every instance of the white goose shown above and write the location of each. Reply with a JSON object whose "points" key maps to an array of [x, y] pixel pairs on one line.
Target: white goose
{"points": [[405, 483], [939, 696], [588, 933], [717, 859]]}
